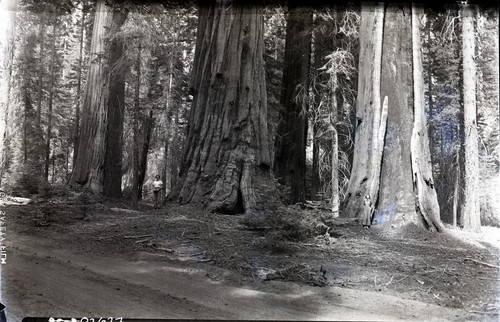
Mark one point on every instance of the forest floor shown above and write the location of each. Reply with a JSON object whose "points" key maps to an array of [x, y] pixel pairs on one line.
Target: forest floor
{"points": [[374, 274]]}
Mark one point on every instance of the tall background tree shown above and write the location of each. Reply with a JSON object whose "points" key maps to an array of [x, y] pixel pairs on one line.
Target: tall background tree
{"points": [[7, 38], [290, 157]]}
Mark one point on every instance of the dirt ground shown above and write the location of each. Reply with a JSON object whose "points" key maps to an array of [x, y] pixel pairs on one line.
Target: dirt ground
{"points": [[450, 276]]}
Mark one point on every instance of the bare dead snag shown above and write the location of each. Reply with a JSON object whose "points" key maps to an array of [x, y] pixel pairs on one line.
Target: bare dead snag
{"points": [[425, 195]]}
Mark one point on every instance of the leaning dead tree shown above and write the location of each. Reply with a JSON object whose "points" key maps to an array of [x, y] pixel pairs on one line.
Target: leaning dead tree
{"points": [[226, 161], [391, 154]]}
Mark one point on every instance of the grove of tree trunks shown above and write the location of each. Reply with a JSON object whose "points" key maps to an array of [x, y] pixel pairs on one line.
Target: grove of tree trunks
{"points": [[388, 69], [290, 157], [226, 162]]}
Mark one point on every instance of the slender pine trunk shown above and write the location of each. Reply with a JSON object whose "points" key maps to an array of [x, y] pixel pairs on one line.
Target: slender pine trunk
{"points": [[51, 99], [135, 157], [76, 126], [146, 129], [470, 210], [41, 36]]}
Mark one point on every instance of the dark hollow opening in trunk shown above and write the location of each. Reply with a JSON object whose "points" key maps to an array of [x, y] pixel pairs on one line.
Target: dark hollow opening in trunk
{"points": [[237, 209]]}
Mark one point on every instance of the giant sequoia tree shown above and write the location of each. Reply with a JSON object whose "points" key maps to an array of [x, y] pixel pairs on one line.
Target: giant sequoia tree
{"points": [[89, 167], [226, 161], [391, 154]]}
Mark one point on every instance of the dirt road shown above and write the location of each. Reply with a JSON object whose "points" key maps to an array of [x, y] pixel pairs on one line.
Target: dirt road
{"points": [[41, 278]]}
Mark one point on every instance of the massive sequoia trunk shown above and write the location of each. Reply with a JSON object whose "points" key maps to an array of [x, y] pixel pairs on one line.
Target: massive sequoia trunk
{"points": [[392, 159], [89, 168], [469, 210], [116, 107], [290, 158], [226, 162]]}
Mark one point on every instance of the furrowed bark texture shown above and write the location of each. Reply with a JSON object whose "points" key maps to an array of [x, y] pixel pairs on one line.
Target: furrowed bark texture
{"points": [[290, 157], [226, 164], [116, 107], [470, 217], [89, 167], [364, 177]]}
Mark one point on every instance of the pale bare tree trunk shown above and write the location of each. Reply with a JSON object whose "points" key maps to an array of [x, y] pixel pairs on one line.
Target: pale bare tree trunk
{"points": [[455, 198], [76, 129], [370, 120], [470, 216], [135, 157], [390, 166], [396, 204], [89, 166], [226, 164], [41, 36], [51, 99], [146, 129], [168, 129], [426, 198], [335, 198], [174, 158]]}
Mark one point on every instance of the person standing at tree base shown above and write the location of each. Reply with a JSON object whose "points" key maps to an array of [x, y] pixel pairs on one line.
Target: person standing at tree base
{"points": [[157, 185], [366, 220]]}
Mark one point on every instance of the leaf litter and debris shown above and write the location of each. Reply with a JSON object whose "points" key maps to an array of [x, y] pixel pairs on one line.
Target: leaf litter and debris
{"points": [[302, 244]]}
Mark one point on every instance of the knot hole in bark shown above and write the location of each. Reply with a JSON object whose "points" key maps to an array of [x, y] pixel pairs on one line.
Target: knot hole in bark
{"points": [[429, 183]]}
